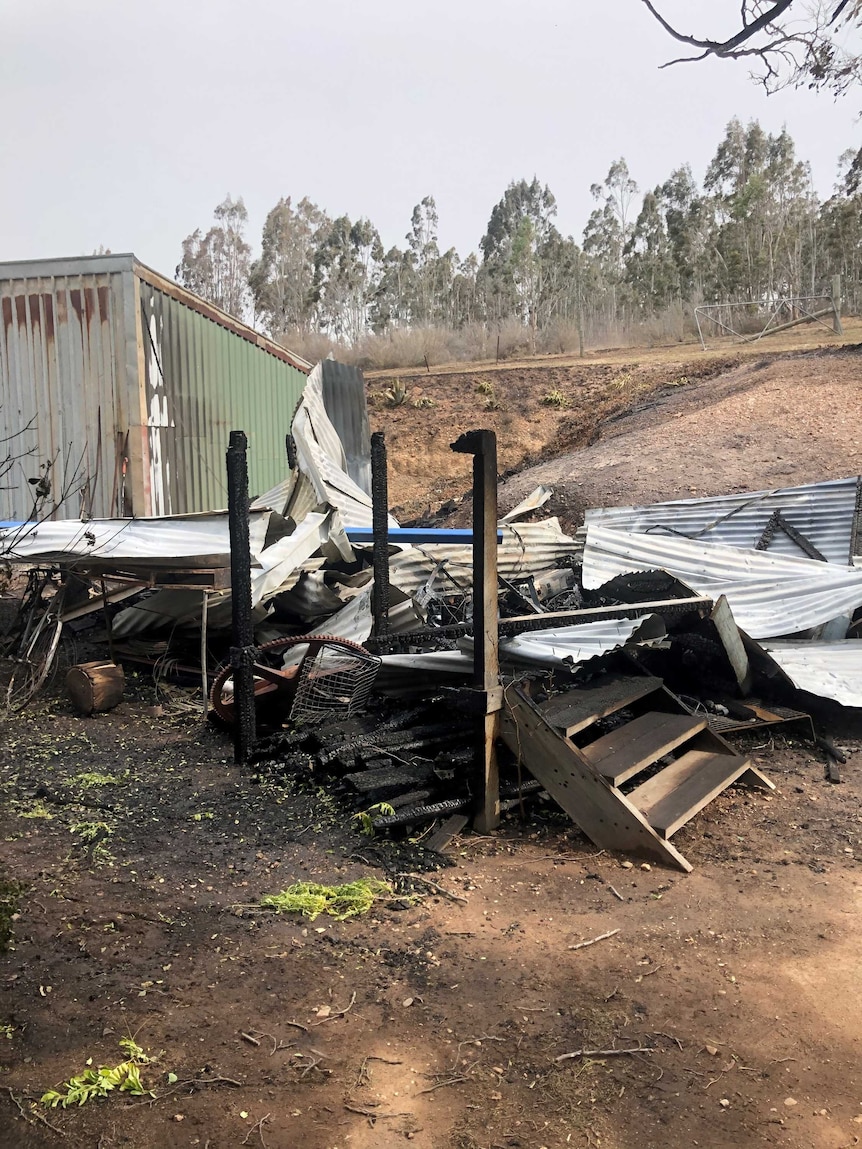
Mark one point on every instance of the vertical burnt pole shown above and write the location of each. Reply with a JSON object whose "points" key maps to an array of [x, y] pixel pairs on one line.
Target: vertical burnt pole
{"points": [[482, 445], [242, 650], [380, 528]]}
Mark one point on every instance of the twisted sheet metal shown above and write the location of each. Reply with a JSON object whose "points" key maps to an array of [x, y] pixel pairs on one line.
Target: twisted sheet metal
{"points": [[822, 512], [770, 595], [526, 548], [828, 669]]}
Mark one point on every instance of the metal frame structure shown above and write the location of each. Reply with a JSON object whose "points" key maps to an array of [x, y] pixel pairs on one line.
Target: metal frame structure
{"points": [[793, 303]]}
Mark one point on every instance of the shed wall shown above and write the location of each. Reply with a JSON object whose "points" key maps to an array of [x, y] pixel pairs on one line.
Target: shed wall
{"points": [[200, 382], [131, 392], [67, 381]]}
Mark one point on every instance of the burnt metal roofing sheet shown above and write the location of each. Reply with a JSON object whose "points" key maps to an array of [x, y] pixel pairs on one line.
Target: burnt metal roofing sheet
{"points": [[822, 512]]}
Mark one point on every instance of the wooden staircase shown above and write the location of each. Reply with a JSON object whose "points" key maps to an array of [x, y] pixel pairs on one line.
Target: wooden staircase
{"points": [[630, 788]]}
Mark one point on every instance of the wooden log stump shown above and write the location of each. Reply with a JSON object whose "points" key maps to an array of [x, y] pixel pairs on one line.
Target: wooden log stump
{"points": [[95, 687]]}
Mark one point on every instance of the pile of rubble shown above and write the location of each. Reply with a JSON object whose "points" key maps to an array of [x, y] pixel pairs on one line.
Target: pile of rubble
{"points": [[627, 654]]}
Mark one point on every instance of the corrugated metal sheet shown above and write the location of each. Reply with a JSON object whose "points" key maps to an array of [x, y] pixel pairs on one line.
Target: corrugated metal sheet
{"points": [[200, 382], [572, 645], [828, 669], [131, 384], [526, 548], [68, 365], [344, 399], [157, 541], [770, 595], [823, 512]]}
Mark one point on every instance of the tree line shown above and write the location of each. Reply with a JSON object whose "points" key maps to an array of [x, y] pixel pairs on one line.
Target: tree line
{"points": [[754, 231]]}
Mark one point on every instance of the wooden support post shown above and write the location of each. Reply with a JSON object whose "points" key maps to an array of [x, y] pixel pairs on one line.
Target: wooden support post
{"points": [[205, 600], [380, 554], [242, 651], [482, 445]]}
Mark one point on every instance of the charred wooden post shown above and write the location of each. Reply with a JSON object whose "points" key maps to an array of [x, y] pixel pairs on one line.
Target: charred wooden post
{"points": [[482, 445], [242, 651], [380, 527]]}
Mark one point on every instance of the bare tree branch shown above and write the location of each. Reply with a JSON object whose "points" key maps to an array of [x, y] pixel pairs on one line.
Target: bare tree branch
{"points": [[796, 45]]}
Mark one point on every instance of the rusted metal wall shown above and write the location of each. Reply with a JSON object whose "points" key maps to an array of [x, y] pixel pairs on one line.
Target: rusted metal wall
{"points": [[130, 385], [64, 380]]}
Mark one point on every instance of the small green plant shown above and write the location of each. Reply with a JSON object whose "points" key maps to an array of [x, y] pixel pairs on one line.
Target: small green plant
{"points": [[366, 817], [94, 1083], [485, 387], [555, 399], [87, 781], [7, 1031], [681, 381], [396, 395], [34, 809], [423, 401], [340, 902]]}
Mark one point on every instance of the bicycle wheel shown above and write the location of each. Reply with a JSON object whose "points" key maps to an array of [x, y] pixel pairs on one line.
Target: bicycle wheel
{"points": [[31, 670]]}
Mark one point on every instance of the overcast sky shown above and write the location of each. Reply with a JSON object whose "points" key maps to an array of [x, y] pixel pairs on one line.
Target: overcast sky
{"points": [[124, 123]]}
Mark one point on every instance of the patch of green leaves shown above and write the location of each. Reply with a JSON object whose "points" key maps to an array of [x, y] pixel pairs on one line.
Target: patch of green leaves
{"points": [[366, 817], [311, 899], [88, 781], [106, 1079]]}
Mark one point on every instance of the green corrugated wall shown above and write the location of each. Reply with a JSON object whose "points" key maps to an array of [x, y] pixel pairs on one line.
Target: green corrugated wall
{"points": [[201, 382]]}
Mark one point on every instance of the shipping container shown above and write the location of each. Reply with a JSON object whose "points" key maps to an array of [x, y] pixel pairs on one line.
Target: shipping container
{"points": [[124, 387]]}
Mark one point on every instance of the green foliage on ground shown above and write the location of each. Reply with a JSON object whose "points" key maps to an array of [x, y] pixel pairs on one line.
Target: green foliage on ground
{"points": [[100, 1082], [311, 899]]}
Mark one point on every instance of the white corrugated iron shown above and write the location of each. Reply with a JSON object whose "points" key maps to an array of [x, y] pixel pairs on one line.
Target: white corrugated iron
{"points": [[822, 512], [770, 595], [526, 548], [828, 669], [572, 645], [139, 541]]}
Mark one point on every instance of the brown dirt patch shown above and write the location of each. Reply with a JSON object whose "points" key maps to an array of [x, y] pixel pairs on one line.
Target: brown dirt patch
{"points": [[460, 1008]]}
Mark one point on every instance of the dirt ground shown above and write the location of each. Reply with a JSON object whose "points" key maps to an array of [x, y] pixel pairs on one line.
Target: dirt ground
{"points": [[436, 1022], [135, 856]]}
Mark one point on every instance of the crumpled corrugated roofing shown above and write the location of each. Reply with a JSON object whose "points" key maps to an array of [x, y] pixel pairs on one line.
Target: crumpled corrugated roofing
{"points": [[563, 646], [526, 548], [770, 595], [822, 512], [321, 459], [829, 669], [576, 644]]}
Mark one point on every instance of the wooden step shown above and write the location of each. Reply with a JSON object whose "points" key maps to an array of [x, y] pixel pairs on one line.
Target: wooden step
{"points": [[627, 750], [578, 709], [673, 796]]}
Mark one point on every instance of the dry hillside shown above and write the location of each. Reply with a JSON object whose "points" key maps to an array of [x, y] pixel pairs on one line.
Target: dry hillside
{"points": [[622, 429]]}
